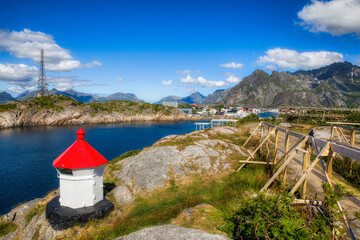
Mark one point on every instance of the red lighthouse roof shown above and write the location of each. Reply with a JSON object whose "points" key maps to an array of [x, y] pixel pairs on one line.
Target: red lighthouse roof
{"points": [[79, 155]]}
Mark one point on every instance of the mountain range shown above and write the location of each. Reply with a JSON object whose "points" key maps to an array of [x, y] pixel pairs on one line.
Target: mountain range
{"points": [[337, 84], [82, 97], [196, 97]]}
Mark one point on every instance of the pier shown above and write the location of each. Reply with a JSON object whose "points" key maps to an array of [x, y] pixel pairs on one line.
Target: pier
{"points": [[214, 122]]}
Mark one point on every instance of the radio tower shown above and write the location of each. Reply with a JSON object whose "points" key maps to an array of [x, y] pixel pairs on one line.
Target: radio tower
{"points": [[42, 84]]}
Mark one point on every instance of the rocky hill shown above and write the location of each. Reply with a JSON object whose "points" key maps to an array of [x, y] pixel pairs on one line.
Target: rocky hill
{"points": [[197, 98], [5, 97], [215, 97], [61, 110], [335, 85]]}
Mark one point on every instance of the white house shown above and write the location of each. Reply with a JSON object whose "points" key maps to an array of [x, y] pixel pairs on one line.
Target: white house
{"points": [[80, 170]]}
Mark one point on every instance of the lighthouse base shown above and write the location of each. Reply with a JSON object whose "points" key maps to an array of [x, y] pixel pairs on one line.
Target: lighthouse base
{"points": [[61, 217]]}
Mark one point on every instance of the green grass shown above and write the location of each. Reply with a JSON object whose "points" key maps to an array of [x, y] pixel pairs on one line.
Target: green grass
{"points": [[6, 228], [38, 209], [224, 194], [6, 107]]}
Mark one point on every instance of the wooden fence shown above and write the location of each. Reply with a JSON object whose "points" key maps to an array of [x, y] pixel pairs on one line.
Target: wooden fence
{"points": [[307, 145]]}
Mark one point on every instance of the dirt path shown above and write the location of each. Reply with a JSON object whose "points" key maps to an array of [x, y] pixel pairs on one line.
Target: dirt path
{"points": [[350, 203]]}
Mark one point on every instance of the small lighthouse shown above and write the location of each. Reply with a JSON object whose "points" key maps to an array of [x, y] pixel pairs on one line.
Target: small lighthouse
{"points": [[80, 171]]}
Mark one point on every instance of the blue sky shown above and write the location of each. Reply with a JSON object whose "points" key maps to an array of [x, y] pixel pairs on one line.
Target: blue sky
{"points": [[160, 48]]}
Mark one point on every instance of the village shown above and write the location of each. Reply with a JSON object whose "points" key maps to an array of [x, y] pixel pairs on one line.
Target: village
{"points": [[221, 110]]}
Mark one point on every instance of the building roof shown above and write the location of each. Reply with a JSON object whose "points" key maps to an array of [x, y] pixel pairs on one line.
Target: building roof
{"points": [[79, 155]]}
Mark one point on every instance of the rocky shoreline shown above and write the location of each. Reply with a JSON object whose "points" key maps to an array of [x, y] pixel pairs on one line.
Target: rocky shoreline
{"points": [[56, 111], [168, 160]]}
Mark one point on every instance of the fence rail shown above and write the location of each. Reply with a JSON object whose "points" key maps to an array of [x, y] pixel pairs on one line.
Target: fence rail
{"points": [[305, 144]]}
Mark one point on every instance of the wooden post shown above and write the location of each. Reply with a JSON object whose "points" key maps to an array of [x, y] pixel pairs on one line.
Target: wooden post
{"points": [[329, 165], [252, 134], [306, 164], [324, 151], [287, 140], [262, 134], [283, 166], [332, 131], [276, 144], [352, 143]]}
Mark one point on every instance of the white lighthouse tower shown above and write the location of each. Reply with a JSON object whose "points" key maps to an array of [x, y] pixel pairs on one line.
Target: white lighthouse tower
{"points": [[80, 170]]}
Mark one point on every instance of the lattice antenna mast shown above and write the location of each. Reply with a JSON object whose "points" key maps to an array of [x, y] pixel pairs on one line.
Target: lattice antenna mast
{"points": [[42, 83]]}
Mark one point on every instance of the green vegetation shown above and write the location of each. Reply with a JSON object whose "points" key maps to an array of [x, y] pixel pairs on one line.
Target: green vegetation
{"points": [[38, 209], [249, 118], [6, 107], [165, 204], [53, 102], [6, 228], [274, 217], [342, 166]]}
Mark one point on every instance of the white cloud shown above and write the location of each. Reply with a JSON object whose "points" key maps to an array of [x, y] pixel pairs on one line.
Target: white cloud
{"points": [[66, 82], [166, 83], [184, 72], [336, 17], [27, 44], [18, 89], [205, 83], [270, 67], [187, 79], [120, 79], [232, 65], [232, 78], [16, 73], [290, 59]]}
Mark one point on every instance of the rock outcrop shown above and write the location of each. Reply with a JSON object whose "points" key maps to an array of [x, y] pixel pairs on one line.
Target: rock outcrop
{"points": [[172, 158], [58, 111], [172, 232]]}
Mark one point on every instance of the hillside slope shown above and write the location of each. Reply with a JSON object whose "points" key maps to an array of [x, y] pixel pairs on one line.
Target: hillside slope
{"points": [[61, 110], [335, 85]]}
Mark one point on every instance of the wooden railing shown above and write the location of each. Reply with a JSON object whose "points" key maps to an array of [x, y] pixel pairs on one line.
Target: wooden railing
{"points": [[305, 144]]}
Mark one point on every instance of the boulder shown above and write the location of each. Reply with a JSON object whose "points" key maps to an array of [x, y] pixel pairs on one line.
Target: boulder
{"points": [[166, 232], [17, 214], [123, 195]]}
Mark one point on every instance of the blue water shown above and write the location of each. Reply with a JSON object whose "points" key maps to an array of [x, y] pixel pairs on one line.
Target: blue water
{"points": [[267, 115], [26, 154]]}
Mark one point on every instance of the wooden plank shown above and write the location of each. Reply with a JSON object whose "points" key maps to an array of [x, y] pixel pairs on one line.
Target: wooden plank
{"points": [[309, 169], [306, 202], [252, 134], [306, 164], [288, 160], [257, 149], [256, 162], [276, 145], [349, 128], [287, 141], [352, 143]]}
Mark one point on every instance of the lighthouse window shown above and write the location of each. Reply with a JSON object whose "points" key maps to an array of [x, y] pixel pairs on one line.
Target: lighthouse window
{"points": [[66, 171]]}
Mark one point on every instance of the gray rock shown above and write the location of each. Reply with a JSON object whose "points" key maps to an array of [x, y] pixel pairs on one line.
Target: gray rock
{"points": [[285, 125], [194, 151], [17, 214], [166, 232], [123, 195]]}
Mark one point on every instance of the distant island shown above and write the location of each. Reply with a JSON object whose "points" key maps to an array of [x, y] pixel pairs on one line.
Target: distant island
{"points": [[62, 110]]}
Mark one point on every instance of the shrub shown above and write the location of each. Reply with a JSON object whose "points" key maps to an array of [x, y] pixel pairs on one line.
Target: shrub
{"points": [[6, 228], [342, 166], [249, 118], [274, 217]]}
